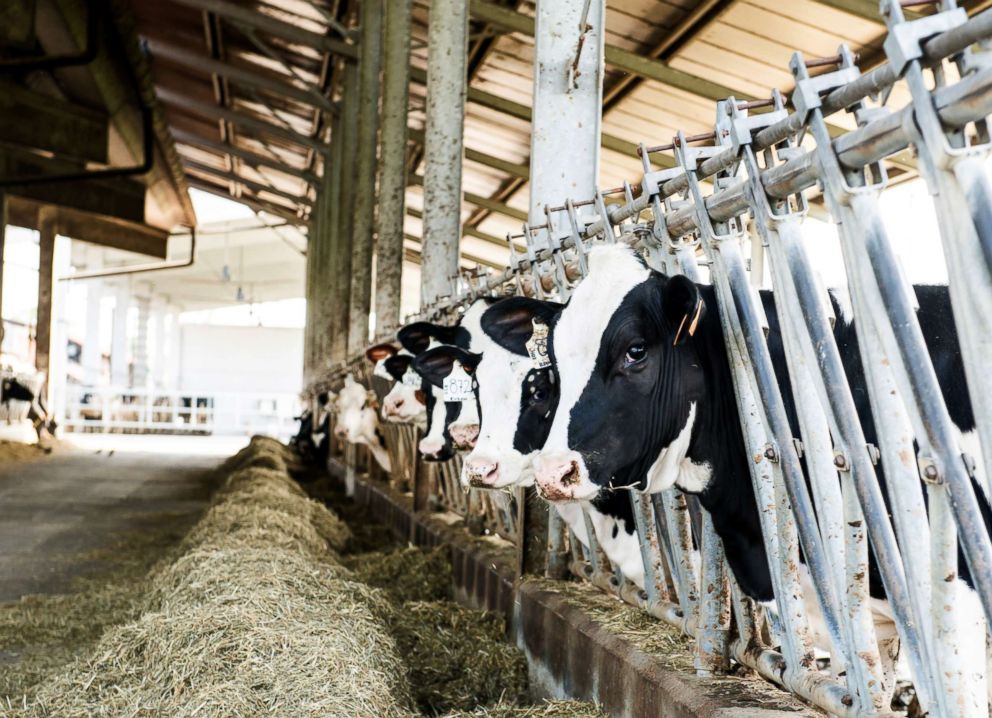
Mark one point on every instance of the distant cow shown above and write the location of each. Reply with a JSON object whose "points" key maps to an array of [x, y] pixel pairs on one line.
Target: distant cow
{"points": [[21, 396], [357, 420]]}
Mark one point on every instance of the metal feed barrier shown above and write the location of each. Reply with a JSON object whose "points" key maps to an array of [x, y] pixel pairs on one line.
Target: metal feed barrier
{"points": [[692, 217]]}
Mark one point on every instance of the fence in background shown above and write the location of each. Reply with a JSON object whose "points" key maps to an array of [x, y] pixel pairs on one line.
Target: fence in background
{"points": [[115, 409]]}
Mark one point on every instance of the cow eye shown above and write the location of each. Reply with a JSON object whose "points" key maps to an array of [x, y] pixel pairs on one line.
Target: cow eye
{"points": [[537, 395], [635, 354]]}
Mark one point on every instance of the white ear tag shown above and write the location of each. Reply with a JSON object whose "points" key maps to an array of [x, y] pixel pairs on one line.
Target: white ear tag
{"points": [[537, 345], [412, 379], [457, 385]]}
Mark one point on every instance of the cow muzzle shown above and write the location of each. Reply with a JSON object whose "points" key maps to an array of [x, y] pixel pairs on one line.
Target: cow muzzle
{"points": [[563, 477], [481, 473], [464, 436]]}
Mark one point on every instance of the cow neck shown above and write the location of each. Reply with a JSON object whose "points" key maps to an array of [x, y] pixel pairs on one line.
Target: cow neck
{"points": [[717, 440]]}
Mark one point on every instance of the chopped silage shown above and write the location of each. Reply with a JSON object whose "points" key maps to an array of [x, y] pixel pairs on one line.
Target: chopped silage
{"points": [[546, 709], [457, 657], [408, 574]]}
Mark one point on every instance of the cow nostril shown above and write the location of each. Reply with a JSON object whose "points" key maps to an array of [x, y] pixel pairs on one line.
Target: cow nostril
{"points": [[398, 404], [572, 475]]}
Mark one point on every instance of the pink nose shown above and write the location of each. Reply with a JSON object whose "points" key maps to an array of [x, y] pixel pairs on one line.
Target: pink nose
{"points": [[556, 476], [340, 432], [482, 473], [430, 449], [464, 435], [391, 407]]}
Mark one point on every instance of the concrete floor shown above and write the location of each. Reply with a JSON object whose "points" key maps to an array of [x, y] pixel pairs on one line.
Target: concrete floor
{"points": [[55, 510]]}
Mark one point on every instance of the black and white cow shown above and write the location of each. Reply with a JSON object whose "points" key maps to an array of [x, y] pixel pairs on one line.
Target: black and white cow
{"points": [[23, 388], [312, 440], [647, 401], [451, 425], [516, 406]]}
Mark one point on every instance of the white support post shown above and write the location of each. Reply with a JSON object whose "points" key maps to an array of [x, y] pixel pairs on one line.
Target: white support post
{"points": [[447, 41], [568, 103], [92, 358], [119, 375]]}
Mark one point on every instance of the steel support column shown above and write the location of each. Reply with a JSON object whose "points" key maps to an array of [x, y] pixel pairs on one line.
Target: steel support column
{"points": [[363, 240], [3, 243], [568, 102], [329, 274], [46, 280], [392, 178], [564, 163], [443, 145], [348, 132]]}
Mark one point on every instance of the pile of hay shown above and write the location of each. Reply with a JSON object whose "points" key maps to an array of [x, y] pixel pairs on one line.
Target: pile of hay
{"points": [[254, 618], [256, 613], [409, 574], [458, 657]]}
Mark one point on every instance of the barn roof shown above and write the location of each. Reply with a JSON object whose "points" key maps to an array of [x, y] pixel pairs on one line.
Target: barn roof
{"points": [[245, 90]]}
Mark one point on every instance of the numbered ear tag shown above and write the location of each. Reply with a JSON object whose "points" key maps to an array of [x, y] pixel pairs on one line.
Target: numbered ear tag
{"points": [[457, 385], [412, 379], [537, 345]]}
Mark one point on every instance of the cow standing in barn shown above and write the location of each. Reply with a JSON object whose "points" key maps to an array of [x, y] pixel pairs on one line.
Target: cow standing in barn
{"points": [[647, 402]]}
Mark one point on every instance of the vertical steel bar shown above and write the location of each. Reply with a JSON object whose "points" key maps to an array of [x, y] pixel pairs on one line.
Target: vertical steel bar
{"points": [[447, 42], [348, 130], [363, 238], [392, 177], [46, 278]]}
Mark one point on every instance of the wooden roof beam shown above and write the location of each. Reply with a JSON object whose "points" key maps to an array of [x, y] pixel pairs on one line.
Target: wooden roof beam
{"points": [[251, 158], [252, 203], [259, 80], [237, 117], [253, 18], [523, 112], [249, 183]]}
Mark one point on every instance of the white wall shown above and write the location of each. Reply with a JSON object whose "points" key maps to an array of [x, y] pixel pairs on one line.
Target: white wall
{"points": [[247, 359]]}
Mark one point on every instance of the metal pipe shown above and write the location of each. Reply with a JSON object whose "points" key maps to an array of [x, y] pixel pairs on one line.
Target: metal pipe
{"points": [[348, 132], [392, 177], [140, 268], [443, 144], [363, 237]]}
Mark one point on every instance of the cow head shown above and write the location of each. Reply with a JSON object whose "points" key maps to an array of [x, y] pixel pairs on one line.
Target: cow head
{"points": [[515, 400], [350, 409], [406, 402], [630, 377], [461, 415]]}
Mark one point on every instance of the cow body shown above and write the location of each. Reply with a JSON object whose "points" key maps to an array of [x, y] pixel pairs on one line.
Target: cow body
{"points": [[21, 395]]}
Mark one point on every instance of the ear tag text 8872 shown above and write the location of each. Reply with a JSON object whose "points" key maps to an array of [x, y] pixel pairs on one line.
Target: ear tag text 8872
{"points": [[537, 345], [457, 386]]}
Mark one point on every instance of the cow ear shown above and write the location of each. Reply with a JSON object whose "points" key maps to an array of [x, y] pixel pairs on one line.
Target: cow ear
{"points": [[454, 335], [683, 306], [377, 353], [435, 365], [397, 365], [510, 323], [416, 337]]}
